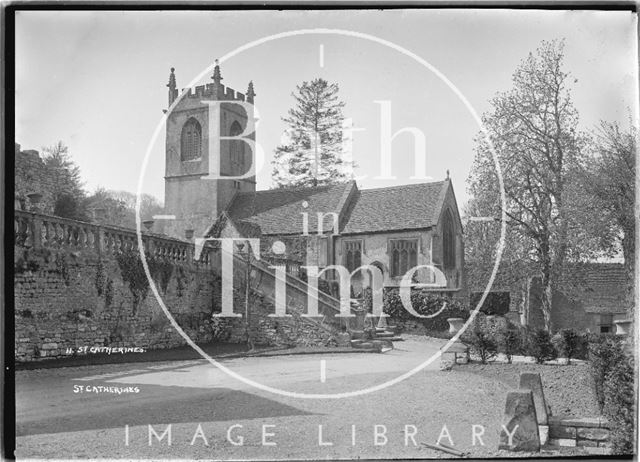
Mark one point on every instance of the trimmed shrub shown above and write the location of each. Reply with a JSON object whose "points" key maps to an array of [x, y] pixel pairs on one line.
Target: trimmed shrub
{"points": [[568, 343], [482, 344], [539, 346], [510, 343]]}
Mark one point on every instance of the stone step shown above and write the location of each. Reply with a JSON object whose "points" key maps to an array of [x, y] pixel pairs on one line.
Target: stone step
{"points": [[364, 346], [385, 334]]}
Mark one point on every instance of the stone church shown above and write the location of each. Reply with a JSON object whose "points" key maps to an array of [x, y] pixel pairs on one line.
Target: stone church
{"points": [[394, 228]]}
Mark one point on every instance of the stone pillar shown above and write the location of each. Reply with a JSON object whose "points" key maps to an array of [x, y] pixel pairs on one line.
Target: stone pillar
{"points": [[521, 422]]}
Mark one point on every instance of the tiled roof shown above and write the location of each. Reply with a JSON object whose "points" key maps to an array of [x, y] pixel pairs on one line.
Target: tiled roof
{"points": [[396, 208], [601, 286], [279, 211]]}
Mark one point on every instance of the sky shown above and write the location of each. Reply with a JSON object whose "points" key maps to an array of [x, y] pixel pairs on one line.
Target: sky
{"points": [[97, 80]]}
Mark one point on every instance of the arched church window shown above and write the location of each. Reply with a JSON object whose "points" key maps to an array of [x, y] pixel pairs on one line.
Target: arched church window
{"points": [[448, 241], [191, 140], [237, 149], [353, 254], [395, 263], [403, 255]]}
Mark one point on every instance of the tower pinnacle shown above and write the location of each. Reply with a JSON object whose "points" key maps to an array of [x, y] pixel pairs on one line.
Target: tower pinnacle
{"points": [[217, 76], [173, 92], [250, 92]]}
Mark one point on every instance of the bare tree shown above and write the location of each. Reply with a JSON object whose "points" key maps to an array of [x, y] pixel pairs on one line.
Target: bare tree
{"points": [[608, 185], [533, 130]]}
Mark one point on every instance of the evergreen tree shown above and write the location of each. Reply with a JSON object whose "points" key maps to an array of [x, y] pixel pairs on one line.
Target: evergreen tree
{"points": [[311, 153], [67, 190]]}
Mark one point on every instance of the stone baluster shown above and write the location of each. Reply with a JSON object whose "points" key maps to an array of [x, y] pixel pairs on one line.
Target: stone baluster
{"points": [[36, 231], [99, 239]]}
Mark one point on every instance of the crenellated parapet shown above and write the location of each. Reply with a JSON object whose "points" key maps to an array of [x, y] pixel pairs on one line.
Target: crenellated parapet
{"points": [[212, 91]]}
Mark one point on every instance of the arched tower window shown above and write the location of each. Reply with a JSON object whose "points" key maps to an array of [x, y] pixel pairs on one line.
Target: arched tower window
{"points": [[448, 241], [191, 140], [237, 150]]}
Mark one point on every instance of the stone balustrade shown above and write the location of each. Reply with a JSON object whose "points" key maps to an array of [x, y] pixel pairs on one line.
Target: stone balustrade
{"points": [[35, 230]]}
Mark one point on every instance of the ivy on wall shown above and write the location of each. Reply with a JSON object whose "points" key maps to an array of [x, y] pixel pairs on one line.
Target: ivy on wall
{"points": [[161, 271], [133, 274], [100, 279], [62, 267]]}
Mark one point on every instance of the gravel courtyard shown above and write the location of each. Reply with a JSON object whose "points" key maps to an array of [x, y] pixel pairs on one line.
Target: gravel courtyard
{"points": [[216, 416]]}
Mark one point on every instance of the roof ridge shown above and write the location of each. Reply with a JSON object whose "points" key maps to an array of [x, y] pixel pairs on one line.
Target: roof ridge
{"points": [[404, 185], [297, 189]]}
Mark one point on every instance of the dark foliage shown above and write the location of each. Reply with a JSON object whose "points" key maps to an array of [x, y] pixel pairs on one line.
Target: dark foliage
{"points": [[482, 344], [619, 404], [496, 303], [510, 343], [570, 344], [424, 303], [605, 352], [539, 346]]}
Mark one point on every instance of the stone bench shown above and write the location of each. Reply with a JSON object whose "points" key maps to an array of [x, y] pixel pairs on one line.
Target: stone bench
{"points": [[458, 353]]}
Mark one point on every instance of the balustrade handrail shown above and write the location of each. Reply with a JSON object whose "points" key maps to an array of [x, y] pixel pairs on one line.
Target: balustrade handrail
{"points": [[119, 229]]}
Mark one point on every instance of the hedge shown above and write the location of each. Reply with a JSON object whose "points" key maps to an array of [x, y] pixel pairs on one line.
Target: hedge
{"points": [[613, 374], [424, 303]]}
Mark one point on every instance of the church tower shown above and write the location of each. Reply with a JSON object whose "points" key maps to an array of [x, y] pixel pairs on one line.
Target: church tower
{"points": [[194, 200]]}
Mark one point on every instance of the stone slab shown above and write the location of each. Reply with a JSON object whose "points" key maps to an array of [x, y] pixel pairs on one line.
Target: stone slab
{"points": [[532, 381], [588, 443], [520, 411], [561, 431], [563, 442], [594, 434], [595, 422]]}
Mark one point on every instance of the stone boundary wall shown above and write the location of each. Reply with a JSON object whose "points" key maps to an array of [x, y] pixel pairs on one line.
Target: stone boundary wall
{"points": [[76, 286], [571, 432]]}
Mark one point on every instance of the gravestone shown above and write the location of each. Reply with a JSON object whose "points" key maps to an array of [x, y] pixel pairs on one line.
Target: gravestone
{"points": [[520, 421], [532, 381]]}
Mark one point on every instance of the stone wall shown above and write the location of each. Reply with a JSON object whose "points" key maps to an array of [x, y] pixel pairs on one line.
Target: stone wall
{"points": [[31, 175], [81, 285], [571, 432], [72, 291]]}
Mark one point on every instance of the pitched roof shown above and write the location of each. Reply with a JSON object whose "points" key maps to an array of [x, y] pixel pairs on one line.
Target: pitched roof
{"points": [[279, 211], [601, 286], [396, 208]]}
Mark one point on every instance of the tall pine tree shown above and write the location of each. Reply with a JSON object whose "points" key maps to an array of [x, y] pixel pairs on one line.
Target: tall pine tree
{"points": [[312, 153]]}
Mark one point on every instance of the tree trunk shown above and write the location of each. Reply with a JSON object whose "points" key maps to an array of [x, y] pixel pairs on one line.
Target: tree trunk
{"points": [[546, 283], [628, 248], [546, 297]]}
